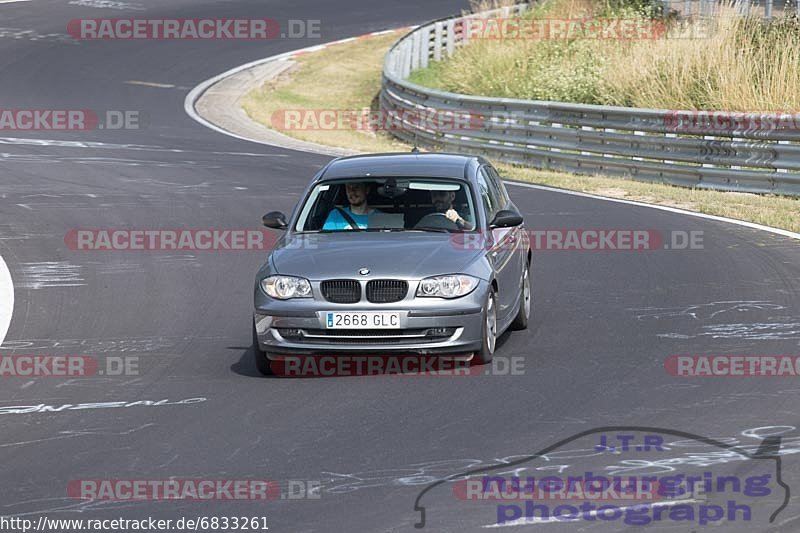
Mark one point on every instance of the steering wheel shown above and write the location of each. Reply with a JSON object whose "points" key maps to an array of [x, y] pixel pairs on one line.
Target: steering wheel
{"points": [[436, 220]]}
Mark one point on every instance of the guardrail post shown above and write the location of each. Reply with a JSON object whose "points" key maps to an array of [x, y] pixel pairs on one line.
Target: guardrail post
{"points": [[742, 7], [451, 37], [425, 46], [437, 41], [407, 59], [415, 51]]}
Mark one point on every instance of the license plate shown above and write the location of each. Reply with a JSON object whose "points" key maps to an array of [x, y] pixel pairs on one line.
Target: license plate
{"points": [[370, 320]]}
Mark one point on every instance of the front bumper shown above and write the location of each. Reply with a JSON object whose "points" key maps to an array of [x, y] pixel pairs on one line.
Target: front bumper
{"points": [[461, 318]]}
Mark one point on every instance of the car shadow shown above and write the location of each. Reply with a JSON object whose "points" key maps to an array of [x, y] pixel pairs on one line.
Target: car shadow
{"points": [[246, 366]]}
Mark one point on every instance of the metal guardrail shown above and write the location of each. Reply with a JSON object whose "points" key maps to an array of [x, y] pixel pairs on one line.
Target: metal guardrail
{"points": [[644, 144], [705, 8]]}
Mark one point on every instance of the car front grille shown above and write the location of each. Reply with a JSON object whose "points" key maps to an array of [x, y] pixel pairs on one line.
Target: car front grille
{"points": [[383, 291], [341, 291]]}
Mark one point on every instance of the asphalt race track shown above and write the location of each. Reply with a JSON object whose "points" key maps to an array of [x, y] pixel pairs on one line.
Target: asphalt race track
{"points": [[603, 321]]}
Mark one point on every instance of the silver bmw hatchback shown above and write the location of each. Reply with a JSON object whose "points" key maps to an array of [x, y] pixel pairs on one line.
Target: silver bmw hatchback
{"points": [[395, 254]]}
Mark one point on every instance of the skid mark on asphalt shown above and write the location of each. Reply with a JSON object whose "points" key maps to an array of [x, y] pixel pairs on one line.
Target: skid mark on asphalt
{"points": [[676, 454], [39, 158], [109, 345], [70, 434], [30, 35], [771, 328], [21, 141], [45, 274], [704, 311], [107, 4], [759, 331], [118, 267]]}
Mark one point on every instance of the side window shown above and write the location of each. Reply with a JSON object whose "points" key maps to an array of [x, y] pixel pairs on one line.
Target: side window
{"points": [[495, 176], [490, 196]]}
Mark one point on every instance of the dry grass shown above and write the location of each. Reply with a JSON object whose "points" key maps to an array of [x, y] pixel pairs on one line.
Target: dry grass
{"points": [[340, 77], [348, 76], [739, 64]]}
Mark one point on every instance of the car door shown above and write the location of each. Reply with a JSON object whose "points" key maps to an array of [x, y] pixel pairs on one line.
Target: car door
{"points": [[520, 243], [502, 254]]}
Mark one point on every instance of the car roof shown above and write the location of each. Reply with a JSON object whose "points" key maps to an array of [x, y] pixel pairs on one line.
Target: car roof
{"points": [[416, 165]]}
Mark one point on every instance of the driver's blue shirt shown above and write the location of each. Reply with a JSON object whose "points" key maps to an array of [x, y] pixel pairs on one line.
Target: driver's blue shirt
{"points": [[336, 221]]}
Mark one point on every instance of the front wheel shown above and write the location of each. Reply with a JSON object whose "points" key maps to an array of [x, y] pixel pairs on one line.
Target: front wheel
{"points": [[260, 356], [524, 313], [489, 334]]}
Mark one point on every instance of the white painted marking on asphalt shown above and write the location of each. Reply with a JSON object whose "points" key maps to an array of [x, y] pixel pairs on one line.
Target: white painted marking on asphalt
{"points": [[6, 299], [12, 1], [111, 146], [150, 84], [44, 408], [752, 225]]}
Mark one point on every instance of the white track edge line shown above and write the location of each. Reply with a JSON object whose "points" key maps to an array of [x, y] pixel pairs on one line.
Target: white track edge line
{"points": [[6, 299], [752, 225]]}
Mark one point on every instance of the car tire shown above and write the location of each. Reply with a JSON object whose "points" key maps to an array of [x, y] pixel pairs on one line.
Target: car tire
{"points": [[260, 356], [488, 331], [524, 314]]}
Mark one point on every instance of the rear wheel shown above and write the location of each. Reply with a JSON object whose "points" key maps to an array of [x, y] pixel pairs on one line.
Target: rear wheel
{"points": [[260, 356], [524, 313], [489, 336]]}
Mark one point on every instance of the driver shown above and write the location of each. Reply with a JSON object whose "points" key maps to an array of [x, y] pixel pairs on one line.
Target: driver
{"points": [[359, 210], [443, 203]]}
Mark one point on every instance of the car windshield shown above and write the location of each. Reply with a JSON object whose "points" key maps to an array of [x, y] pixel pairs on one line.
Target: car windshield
{"points": [[388, 204]]}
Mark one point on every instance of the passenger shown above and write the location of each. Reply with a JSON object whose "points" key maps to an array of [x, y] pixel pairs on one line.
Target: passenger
{"points": [[359, 210]]}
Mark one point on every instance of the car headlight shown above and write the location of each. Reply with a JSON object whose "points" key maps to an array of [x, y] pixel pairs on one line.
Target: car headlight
{"points": [[450, 286], [285, 287]]}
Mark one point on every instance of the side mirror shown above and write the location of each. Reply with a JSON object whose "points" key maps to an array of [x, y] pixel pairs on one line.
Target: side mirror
{"points": [[505, 219], [275, 220]]}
